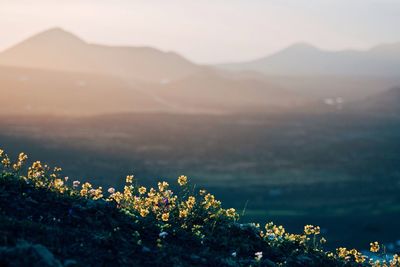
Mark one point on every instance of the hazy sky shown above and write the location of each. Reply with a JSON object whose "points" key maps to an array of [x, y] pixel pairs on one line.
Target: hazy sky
{"points": [[208, 31]]}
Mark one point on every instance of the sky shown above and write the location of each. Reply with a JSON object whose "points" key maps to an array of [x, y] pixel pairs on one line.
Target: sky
{"points": [[208, 31]]}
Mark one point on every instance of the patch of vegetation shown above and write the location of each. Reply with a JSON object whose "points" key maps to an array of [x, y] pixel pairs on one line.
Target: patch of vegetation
{"points": [[48, 220]]}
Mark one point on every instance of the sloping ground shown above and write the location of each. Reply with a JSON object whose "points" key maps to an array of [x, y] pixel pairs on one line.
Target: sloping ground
{"points": [[210, 91], [39, 91], [95, 233], [34, 91], [43, 222], [386, 103]]}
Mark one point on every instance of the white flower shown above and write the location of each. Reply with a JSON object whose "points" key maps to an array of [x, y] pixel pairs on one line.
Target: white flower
{"points": [[76, 183], [258, 255], [234, 254], [66, 178], [111, 190], [163, 234]]}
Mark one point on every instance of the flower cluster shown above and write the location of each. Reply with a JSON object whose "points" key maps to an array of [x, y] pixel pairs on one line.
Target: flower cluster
{"points": [[350, 254], [22, 157], [197, 212], [5, 160], [273, 232], [312, 230], [374, 246], [182, 180]]}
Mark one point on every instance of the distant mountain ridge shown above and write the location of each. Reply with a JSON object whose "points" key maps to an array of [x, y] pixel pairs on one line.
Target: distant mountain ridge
{"points": [[58, 72], [305, 59], [57, 49], [142, 79], [310, 71]]}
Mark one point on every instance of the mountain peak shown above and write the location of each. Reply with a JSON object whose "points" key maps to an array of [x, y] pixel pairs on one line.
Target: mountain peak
{"points": [[51, 38], [301, 48], [54, 30], [56, 34], [58, 49]]}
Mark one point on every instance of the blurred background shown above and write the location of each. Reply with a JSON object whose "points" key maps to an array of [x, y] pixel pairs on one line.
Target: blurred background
{"points": [[288, 111]]}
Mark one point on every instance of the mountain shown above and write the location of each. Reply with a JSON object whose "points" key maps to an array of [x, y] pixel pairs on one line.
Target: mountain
{"points": [[304, 59], [316, 73], [56, 49], [57, 72]]}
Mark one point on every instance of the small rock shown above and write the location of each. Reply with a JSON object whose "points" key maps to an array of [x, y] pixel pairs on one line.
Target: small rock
{"points": [[25, 254]]}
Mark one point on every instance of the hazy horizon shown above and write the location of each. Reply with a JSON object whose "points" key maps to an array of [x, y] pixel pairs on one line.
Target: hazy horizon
{"points": [[208, 32]]}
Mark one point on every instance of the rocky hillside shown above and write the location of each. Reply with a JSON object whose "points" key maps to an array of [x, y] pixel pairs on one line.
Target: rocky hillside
{"points": [[48, 220]]}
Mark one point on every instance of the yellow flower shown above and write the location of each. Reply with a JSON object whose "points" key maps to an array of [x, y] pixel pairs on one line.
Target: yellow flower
{"points": [[231, 212], [58, 183], [17, 166], [209, 201], [86, 186], [84, 192], [374, 246], [317, 230], [37, 165], [1, 152], [190, 202], [142, 190], [97, 193], [129, 179], [183, 213], [359, 257], [279, 230], [6, 162], [117, 197], [162, 186], [342, 252], [165, 217], [22, 157], [57, 169], [127, 192], [395, 261], [144, 212], [274, 231], [85, 189], [182, 180], [152, 192], [312, 230]]}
